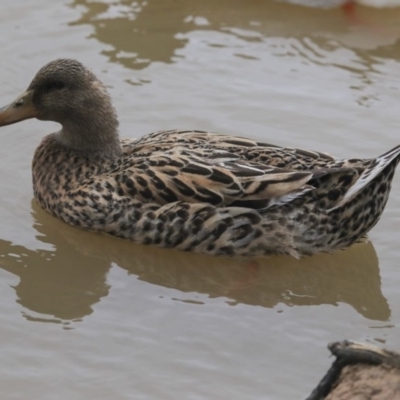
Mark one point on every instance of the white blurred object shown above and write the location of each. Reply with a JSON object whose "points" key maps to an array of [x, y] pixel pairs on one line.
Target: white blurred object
{"points": [[338, 3], [379, 3]]}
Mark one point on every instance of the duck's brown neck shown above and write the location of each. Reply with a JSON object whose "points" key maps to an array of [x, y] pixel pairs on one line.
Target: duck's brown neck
{"points": [[92, 133]]}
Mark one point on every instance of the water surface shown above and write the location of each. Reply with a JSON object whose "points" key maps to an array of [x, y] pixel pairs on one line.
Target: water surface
{"points": [[88, 316]]}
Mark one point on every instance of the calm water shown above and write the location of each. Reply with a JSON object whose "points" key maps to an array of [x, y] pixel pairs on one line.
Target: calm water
{"points": [[86, 316]]}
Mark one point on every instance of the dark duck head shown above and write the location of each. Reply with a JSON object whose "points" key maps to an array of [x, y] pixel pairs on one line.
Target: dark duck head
{"points": [[66, 92]]}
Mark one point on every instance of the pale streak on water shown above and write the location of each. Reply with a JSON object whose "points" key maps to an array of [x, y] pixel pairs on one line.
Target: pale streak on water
{"points": [[87, 316]]}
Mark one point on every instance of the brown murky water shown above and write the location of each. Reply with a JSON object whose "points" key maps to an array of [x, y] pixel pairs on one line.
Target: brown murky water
{"points": [[86, 316]]}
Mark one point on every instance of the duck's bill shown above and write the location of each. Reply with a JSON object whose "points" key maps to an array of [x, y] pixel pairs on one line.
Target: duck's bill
{"points": [[21, 108]]}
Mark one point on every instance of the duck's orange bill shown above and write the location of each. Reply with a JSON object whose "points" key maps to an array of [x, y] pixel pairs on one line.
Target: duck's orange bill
{"points": [[21, 108]]}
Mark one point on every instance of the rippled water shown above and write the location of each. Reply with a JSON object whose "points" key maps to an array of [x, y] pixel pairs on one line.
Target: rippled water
{"points": [[88, 316]]}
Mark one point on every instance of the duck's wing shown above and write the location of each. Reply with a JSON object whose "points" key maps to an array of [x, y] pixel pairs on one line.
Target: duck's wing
{"points": [[212, 176], [245, 149]]}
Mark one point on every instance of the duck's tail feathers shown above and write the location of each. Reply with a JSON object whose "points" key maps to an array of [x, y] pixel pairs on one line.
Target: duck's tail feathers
{"points": [[369, 174]]}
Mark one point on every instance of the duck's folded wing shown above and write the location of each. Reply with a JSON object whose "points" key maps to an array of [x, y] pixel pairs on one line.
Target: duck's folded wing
{"points": [[244, 148], [216, 177]]}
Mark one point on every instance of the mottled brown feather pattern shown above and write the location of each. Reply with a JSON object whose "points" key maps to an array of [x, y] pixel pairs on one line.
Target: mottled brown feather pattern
{"points": [[138, 197], [194, 190]]}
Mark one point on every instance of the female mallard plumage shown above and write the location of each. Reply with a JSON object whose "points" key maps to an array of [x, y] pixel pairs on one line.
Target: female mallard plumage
{"points": [[191, 190]]}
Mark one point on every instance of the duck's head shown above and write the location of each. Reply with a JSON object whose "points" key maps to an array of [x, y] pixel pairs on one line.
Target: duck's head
{"points": [[65, 91]]}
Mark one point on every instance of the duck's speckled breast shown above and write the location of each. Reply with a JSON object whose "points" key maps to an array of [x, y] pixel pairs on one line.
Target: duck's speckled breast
{"points": [[57, 171]]}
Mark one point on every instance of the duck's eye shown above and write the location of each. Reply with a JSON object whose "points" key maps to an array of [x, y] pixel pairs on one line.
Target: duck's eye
{"points": [[56, 85]]}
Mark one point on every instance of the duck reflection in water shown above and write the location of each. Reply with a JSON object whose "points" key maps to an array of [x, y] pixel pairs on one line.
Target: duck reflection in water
{"points": [[63, 285]]}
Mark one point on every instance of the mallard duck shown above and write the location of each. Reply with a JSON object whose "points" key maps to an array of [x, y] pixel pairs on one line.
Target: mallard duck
{"points": [[191, 190]]}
